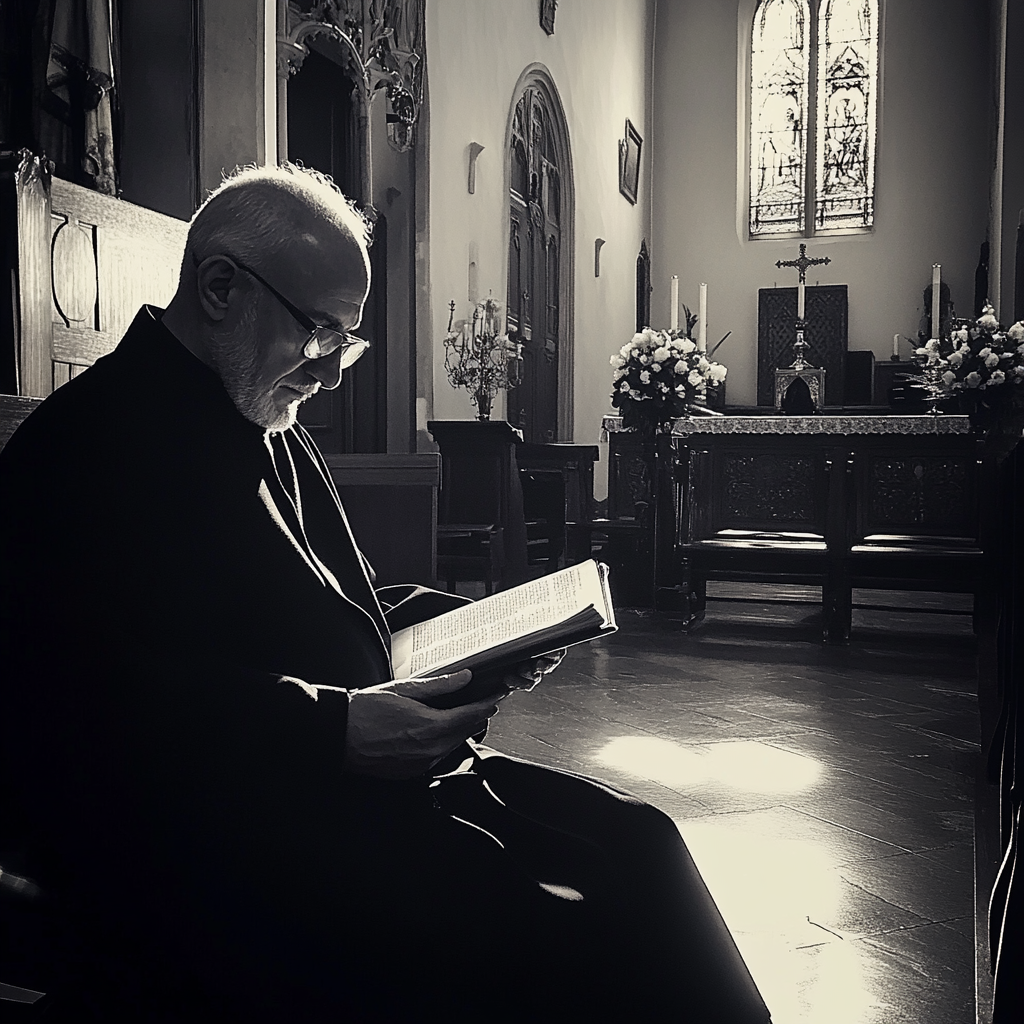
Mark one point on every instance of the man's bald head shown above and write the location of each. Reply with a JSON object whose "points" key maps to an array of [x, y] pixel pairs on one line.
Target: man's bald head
{"points": [[264, 214]]}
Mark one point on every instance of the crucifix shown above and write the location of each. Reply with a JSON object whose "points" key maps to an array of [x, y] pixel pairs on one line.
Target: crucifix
{"points": [[802, 262]]}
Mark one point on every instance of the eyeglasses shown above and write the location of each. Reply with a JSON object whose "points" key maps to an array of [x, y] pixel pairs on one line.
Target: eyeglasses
{"points": [[322, 341]]}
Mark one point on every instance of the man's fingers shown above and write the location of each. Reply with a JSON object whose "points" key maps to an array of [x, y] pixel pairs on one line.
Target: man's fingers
{"points": [[432, 686], [470, 718]]}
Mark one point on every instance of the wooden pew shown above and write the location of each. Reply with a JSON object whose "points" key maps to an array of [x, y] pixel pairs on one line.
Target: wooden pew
{"points": [[83, 264]]}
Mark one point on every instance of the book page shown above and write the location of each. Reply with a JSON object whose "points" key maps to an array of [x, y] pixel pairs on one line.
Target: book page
{"points": [[534, 606]]}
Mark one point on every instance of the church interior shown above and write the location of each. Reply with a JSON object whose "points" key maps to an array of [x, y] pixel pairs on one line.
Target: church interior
{"points": [[816, 563]]}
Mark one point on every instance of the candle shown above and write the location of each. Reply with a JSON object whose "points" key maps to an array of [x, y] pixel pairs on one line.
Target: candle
{"points": [[702, 319], [674, 301], [895, 346], [936, 292], [800, 300]]}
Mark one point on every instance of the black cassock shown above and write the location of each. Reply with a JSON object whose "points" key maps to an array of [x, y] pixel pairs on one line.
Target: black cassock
{"points": [[175, 583]]}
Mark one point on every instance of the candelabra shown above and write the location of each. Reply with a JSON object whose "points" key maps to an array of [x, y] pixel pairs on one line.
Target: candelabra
{"points": [[480, 358], [931, 379]]}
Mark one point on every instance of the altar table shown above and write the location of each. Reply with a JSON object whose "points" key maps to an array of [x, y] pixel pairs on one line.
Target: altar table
{"points": [[836, 501]]}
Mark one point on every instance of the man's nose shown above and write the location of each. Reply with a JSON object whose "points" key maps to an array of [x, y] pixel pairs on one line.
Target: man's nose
{"points": [[326, 369]]}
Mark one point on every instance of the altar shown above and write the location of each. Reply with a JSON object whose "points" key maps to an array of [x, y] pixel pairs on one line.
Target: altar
{"points": [[837, 501]]}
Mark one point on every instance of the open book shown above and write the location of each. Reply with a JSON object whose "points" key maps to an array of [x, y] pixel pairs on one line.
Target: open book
{"points": [[497, 632]]}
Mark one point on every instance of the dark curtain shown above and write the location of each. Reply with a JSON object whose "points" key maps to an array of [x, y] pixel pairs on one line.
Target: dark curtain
{"points": [[57, 78]]}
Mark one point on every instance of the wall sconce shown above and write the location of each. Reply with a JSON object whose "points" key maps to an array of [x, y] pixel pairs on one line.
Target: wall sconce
{"points": [[598, 242], [475, 149]]}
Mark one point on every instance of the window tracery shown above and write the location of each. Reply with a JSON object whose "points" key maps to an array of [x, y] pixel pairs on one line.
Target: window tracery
{"points": [[813, 85]]}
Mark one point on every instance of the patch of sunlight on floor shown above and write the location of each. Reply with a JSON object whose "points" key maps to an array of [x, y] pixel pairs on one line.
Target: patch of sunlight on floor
{"points": [[812, 985], [742, 764], [771, 892]]}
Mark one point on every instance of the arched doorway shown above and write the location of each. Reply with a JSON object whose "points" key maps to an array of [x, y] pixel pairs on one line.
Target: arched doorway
{"points": [[327, 130], [540, 248]]}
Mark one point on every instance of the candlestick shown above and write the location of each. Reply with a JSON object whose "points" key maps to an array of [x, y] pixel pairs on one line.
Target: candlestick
{"points": [[800, 301], [895, 346], [936, 307], [702, 319], [674, 301]]}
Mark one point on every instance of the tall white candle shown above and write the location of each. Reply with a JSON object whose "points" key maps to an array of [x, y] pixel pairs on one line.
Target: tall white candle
{"points": [[801, 300], [702, 319], [674, 300], [936, 292], [895, 346]]}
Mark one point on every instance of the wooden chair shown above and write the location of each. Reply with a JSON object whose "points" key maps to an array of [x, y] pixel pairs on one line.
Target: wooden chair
{"points": [[481, 527]]}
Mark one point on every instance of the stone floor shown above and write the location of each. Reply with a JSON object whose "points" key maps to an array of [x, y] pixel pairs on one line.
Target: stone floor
{"points": [[825, 793]]}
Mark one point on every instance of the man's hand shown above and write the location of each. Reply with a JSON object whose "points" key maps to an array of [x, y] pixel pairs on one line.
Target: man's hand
{"points": [[532, 672], [391, 735]]}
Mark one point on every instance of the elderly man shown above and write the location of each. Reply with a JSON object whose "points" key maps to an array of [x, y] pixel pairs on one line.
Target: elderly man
{"points": [[237, 811]]}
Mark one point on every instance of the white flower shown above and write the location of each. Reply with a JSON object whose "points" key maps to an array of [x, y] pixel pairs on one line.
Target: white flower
{"points": [[624, 386], [645, 377], [681, 366], [997, 378], [955, 358], [695, 378], [703, 364], [616, 360], [618, 375], [948, 377], [663, 388], [717, 372], [972, 380], [987, 321], [1018, 372], [655, 367], [961, 336], [651, 337], [991, 360], [988, 309], [680, 390], [687, 346], [633, 393], [1016, 332], [643, 359]]}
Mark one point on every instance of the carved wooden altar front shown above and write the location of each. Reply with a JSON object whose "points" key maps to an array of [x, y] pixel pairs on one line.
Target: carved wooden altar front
{"points": [[895, 502]]}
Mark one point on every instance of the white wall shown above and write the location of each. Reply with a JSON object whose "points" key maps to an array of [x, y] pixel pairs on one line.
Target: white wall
{"points": [[932, 181], [599, 60]]}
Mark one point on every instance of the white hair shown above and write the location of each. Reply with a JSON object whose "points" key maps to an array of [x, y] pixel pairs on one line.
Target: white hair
{"points": [[256, 212]]}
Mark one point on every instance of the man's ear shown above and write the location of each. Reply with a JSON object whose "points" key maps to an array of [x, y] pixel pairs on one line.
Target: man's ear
{"points": [[216, 278]]}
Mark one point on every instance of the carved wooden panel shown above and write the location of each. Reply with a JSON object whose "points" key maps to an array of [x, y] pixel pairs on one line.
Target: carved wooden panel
{"points": [[826, 336], [929, 491], [768, 488], [629, 482], [132, 256]]}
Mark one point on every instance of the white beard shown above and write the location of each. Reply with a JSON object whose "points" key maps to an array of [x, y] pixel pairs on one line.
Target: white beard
{"points": [[237, 361]]}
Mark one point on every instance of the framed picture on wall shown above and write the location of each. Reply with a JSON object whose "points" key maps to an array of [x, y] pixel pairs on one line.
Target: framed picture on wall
{"points": [[629, 162]]}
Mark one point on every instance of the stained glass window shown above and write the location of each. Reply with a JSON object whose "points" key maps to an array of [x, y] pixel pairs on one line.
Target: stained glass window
{"points": [[847, 57], [800, 185], [778, 136]]}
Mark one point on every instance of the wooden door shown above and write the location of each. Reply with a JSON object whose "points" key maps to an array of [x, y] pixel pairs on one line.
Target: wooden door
{"points": [[535, 211]]}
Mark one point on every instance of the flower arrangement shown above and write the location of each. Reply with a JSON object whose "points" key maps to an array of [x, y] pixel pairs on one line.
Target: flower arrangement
{"points": [[983, 365], [479, 357], [658, 376]]}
